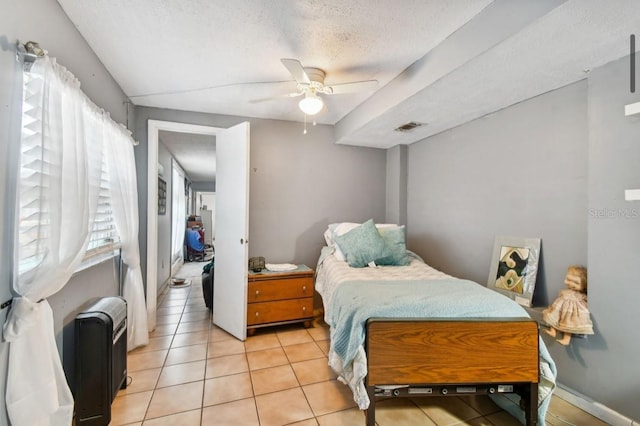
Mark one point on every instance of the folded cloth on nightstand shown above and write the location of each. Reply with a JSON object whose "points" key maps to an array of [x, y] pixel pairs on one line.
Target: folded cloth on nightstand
{"points": [[279, 267]]}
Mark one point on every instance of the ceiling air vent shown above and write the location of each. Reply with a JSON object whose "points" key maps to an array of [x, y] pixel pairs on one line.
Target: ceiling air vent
{"points": [[408, 126]]}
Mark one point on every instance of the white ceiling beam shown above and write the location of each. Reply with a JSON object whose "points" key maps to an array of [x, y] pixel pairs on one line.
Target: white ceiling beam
{"points": [[497, 22]]}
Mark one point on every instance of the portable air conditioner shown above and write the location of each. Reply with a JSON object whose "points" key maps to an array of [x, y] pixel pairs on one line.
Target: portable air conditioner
{"points": [[100, 359]]}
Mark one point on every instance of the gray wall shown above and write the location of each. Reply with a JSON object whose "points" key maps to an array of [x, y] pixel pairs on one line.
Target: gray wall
{"points": [[298, 183], [396, 197], [614, 247], [204, 186], [521, 171], [301, 183], [45, 22], [549, 167]]}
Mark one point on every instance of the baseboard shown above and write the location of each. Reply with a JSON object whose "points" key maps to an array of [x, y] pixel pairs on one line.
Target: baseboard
{"points": [[175, 266], [594, 408], [163, 287]]}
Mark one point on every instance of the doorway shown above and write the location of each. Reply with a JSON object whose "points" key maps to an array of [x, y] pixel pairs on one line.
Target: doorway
{"points": [[231, 211], [187, 163], [154, 129]]}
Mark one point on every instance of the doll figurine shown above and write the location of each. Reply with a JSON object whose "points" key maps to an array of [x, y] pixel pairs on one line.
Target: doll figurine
{"points": [[569, 313]]}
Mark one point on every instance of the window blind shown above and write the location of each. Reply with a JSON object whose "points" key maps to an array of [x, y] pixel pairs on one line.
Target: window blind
{"points": [[36, 163], [104, 237], [33, 208]]}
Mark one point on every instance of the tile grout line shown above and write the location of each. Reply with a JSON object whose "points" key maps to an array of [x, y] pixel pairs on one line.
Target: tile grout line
{"points": [[167, 356], [253, 390], [306, 398], [155, 387], [206, 357]]}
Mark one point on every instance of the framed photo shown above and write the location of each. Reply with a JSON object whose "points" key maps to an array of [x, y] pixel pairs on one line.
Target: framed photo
{"points": [[162, 196], [514, 266]]}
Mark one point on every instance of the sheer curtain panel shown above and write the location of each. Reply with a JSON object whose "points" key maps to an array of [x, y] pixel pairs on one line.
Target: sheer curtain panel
{"points": [[60, 173], [179, 212], [76, 167], [124, 201]]}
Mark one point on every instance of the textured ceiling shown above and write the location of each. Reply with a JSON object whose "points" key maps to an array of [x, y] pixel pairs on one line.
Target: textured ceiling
{"points": [[196, 154], [438, 62]]}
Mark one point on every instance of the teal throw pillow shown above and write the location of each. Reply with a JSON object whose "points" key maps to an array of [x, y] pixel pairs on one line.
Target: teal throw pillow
{"points": [[394, 238], [363, 244]]}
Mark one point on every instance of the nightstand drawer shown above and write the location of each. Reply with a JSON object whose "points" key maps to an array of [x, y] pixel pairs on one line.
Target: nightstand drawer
{"points": [[283, 310], [279, 289]]}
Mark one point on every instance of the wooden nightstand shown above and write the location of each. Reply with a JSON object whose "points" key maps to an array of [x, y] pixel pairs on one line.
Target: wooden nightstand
{"points": [[276, 298]]}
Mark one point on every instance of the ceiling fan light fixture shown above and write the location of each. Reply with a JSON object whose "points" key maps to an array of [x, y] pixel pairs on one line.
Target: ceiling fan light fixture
{"points": [[311, 104]]}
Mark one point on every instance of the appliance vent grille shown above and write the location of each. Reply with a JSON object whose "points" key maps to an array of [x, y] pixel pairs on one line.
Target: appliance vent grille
{"points": [[408, 126]]}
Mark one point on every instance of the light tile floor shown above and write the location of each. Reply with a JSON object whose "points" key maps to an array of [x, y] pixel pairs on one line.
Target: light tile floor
{"points": [[193, 373]]}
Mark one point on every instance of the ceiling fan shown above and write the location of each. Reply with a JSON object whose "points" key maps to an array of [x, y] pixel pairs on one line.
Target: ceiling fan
{"points": [[310, 83]]}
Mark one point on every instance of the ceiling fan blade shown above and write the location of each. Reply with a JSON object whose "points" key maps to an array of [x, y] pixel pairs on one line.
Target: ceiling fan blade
{"points": [[296, 69], [355, 86], [272, 98]]}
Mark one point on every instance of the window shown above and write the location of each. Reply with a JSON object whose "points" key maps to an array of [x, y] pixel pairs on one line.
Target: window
{"points": [[36, 164]]}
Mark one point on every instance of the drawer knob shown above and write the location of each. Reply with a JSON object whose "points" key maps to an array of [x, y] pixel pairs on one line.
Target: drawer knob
{"points": [[304, 288], [257, 292], [304, 308], [257, 314]]}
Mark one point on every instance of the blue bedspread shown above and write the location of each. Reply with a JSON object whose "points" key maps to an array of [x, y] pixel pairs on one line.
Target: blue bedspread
{"points": [[355, 302]]}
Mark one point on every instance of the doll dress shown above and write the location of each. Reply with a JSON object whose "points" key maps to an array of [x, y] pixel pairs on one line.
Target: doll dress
{"points": [[569, 313]]}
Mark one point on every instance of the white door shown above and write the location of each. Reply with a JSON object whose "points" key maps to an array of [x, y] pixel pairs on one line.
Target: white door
{"points": [[232, 228]]}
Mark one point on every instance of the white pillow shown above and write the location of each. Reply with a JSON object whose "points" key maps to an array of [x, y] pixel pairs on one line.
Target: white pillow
{"points": [[328, 238], [342, 228]]}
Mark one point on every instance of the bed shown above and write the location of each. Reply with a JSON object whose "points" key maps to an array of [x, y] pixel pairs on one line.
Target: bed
{"points": [[400, 328]]}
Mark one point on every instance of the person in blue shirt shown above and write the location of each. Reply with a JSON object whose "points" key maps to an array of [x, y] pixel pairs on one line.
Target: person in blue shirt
{"points": [[194, 240]]}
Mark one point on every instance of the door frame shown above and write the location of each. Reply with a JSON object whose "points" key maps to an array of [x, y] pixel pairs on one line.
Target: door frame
{"points": [[153, 129]]}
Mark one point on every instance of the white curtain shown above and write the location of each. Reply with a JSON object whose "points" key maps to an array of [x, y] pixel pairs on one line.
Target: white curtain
{"points": [[179, 212], [69, 181], [124, 201]]}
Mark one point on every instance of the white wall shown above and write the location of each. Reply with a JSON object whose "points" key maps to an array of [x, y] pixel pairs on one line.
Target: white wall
{"points": [[208, 199], [206, 205]]}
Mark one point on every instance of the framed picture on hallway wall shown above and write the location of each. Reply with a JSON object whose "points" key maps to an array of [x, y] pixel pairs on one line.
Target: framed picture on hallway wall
{"points": [[514, 266], [162, 196]]}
